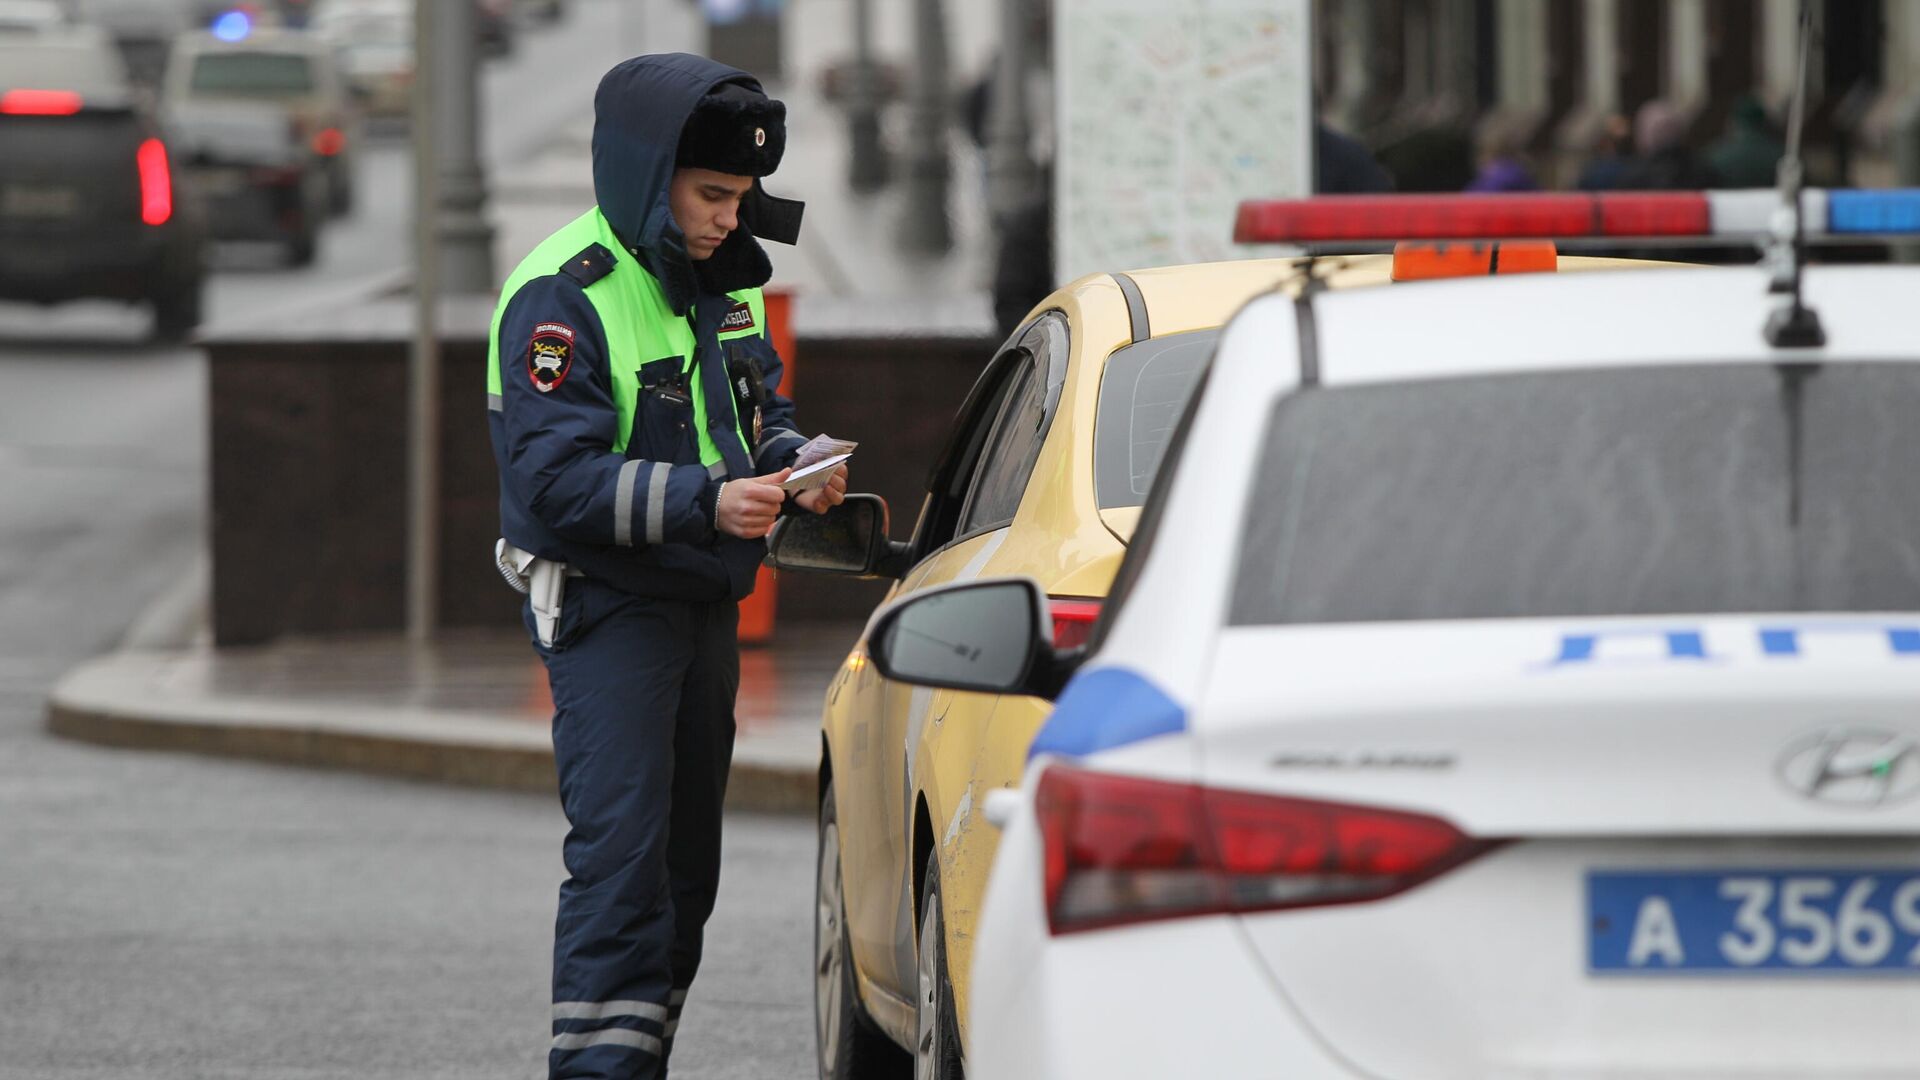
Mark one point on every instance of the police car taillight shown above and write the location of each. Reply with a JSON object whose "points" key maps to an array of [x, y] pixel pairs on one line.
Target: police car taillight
{"points": [[1122, 849], [156, 183], [39, 103]]}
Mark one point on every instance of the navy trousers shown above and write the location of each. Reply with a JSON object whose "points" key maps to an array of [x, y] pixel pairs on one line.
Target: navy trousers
{"points": [[643, 694]]}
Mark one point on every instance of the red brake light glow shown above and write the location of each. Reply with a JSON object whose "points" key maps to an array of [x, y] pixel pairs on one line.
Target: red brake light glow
{"points": [[39, 103], [156, 183], [1120, 850], [1072, 621], [1473, 217], [329, 141]]}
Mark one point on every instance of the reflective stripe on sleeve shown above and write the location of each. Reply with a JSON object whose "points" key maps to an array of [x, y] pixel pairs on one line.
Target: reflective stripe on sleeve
{"points": [[623, 504], [600, 1010], [580, 1040], [657, 503], [717, 470], [775, 436], [496, 403]]}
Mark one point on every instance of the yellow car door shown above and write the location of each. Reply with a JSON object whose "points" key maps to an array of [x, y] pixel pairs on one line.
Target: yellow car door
{"points": [[881, 722]]}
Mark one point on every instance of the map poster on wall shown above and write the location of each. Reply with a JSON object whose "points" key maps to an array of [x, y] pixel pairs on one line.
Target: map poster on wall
{"points": [[1170, 113]]}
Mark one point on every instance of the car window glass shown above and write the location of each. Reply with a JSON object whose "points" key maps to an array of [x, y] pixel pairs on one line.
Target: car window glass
{"points": [[1010, 453], [252, 73], [940, 518], [1143, 389], [1152, 516], [1649, 491]]}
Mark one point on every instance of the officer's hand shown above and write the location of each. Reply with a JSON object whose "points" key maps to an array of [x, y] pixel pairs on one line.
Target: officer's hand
{"points": [[820, 498], [748, 507]]}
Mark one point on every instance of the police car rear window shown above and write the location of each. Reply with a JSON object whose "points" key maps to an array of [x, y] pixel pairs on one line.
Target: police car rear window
{"points": [[252, 73], [1643, 491], [1142, 391]]}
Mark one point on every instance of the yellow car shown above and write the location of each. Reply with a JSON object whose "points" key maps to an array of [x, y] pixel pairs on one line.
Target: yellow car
{"points": [[1044, 475]]}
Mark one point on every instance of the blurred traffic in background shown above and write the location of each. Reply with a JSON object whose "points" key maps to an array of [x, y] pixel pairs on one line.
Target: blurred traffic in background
{"points": [[136, 135]]}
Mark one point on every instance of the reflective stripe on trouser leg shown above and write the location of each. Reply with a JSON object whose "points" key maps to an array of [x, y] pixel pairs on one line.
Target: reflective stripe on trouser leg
{"points": [[621, 690]]}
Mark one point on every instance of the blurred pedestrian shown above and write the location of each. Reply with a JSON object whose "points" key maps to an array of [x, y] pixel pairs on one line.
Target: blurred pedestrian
{"points": [[1611, 157], [1023, 263], [1343, 166], [641, 443], [1748, 154], [1501, 166], [1663, 161]]}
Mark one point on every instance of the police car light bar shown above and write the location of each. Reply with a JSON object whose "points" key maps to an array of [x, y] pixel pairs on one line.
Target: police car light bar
{"points": [[1730, 215]]}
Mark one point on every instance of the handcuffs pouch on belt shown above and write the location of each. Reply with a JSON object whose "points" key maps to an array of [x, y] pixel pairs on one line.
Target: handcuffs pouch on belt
{"points": [[542, 580]]}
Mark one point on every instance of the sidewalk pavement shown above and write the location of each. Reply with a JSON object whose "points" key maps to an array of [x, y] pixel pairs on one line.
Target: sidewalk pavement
{"points": [[472, 707]]}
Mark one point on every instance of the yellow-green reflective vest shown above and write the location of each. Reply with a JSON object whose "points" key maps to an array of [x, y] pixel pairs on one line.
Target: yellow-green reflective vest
{"points": [[639, 326]]}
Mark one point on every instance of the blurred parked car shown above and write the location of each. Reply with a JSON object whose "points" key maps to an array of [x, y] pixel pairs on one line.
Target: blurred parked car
{"points": [[256, 178], [31, 16], [496, 26], [87, 205], [374, 42], [292, 70], [142, 30]]}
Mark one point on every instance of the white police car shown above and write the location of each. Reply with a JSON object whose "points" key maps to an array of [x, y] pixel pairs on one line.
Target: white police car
{"points": [[1511, 676]]}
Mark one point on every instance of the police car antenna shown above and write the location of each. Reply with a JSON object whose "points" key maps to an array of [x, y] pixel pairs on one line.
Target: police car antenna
{"points": [[1793, 325]]}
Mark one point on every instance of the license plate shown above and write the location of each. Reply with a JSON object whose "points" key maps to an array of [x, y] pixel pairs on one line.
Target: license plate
{"points": [[1819, 920], [38, 202]]}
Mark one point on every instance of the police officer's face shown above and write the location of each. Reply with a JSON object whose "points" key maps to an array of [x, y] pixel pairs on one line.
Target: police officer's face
{"points": [[706, 206]]}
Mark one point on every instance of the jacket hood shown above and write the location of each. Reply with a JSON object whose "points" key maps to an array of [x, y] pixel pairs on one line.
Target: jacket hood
{"points": [[639, 111]]}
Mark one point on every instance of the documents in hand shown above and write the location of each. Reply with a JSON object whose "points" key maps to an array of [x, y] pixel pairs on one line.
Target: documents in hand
{"points": [[816, 463]]}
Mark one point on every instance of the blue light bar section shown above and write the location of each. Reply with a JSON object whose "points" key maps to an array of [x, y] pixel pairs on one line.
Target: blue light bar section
{"points": [[1895, 212], [233, 26]]}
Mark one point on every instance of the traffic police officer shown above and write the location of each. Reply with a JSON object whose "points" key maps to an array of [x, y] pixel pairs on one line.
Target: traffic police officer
{"points": [[640, 442]]}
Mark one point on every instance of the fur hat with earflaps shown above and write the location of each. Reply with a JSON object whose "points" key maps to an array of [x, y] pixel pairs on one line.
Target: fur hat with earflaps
{"points": [[735, 130]]}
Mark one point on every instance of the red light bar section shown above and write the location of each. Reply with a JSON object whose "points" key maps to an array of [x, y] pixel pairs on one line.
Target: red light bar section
{"points": [[39, 103], [1543, 216]]}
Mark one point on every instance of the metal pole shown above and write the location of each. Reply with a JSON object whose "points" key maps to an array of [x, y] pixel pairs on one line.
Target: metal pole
{"points": [[927, 230], [1011, 173], [466, 239], [423, 369], [867, 164]]}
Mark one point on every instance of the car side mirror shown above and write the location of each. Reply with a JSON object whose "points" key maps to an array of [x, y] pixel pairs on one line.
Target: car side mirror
{"points": [[992, 637], [849, 539]]}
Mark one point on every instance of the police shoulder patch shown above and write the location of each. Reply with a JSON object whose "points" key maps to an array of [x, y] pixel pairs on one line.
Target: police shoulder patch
{"points": [[549, 356], [739, 317]]}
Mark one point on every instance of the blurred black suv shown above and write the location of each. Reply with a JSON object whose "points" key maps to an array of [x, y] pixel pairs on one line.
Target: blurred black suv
{"points": [[88, 202]]}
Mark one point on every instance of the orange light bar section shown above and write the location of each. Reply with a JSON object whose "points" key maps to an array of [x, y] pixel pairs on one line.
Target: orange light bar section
{"points": [[1413, 261]]}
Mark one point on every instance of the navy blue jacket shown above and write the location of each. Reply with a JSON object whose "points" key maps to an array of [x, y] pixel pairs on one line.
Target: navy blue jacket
{"points": [[641, 520]]}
